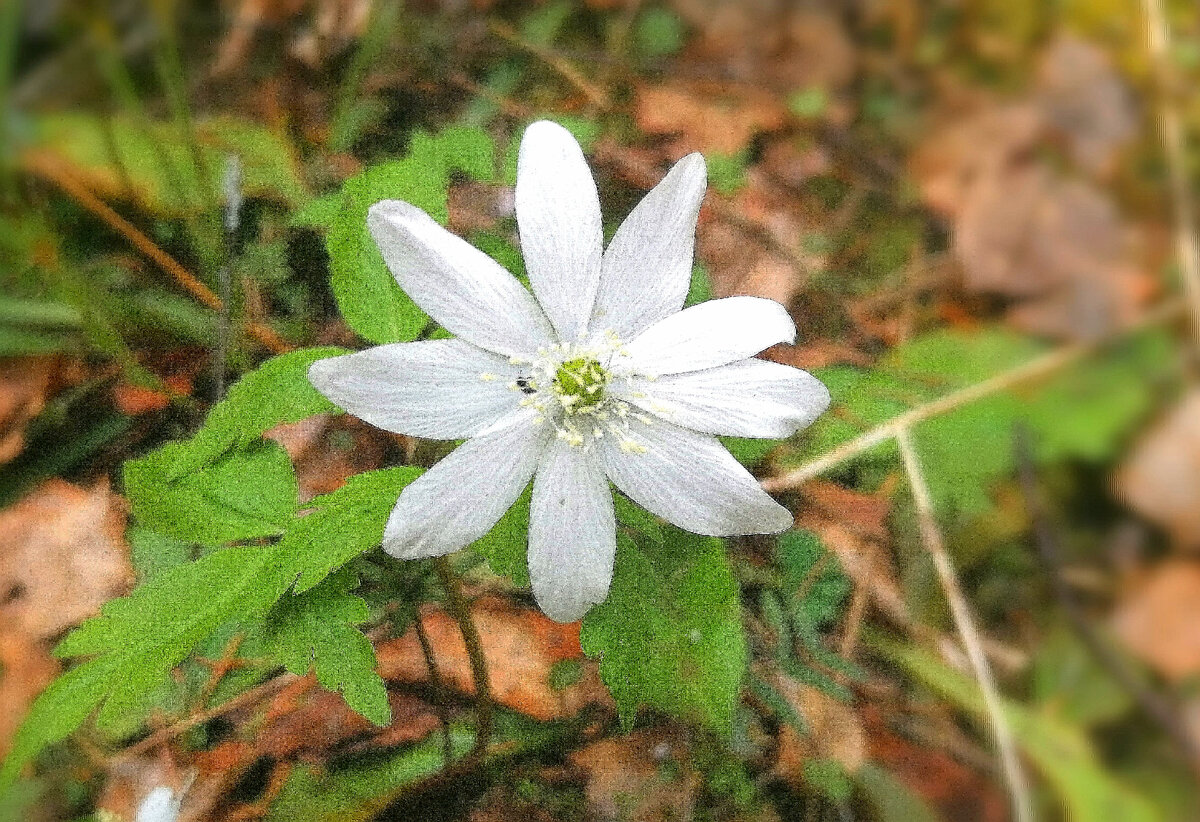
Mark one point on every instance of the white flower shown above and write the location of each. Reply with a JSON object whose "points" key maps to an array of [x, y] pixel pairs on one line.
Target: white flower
{"points": [[598, 376]]}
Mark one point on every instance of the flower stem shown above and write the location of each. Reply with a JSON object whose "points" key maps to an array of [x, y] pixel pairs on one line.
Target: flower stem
{"points": [[460, 610]]}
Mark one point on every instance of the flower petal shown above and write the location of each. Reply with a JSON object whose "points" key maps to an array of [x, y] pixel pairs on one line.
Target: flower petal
{"points": [[466, 291], [572, 533], [458, 500], [558, 214], [441, 389], [748, 398], [710, 334], [647, 267], [692, 481]]}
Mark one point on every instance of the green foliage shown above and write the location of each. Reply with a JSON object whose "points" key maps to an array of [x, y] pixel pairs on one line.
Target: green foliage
{"points": [[658, 32], [1083, 412], [367, 294], [277, 392], [152, 164], [361, 793], [669, 635], [37, 327], [504, 547], [343, 524], [812, 577], [1059, 750], [248, 494], [809, 102], [225, 484], [317, 630], [727, 172], [749, 452]]}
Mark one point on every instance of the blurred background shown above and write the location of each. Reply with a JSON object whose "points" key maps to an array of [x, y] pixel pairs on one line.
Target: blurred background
{"points": [[978, 213]]}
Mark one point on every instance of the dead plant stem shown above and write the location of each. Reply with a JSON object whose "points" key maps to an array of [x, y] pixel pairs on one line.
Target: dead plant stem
{"points": [[1041, 366], [1158, 34], [931, 535]]}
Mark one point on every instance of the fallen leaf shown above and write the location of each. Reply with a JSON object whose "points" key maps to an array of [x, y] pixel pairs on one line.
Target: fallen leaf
{"points": [[647, 775], [833, 730], [707, 118], [1157, 621], [1086, 100], [776, 44], [966, 147], [136, 400], [950, 786], [24, 384], [26, 667], [521, 647], [326, 450], [1160, 479], [62, 556]]}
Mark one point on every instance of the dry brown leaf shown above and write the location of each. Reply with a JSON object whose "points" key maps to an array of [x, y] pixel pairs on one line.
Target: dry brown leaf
{"points": [[707, 118], [778, 44], [865, 560], [62, 556], [1084, 99], [26, 667], [327, 450], [1157, 621], [24, 384], [966, 147], [135, 400], [953, 789], [520, 646], [834, 730], [627, 778], [1160, 479]]}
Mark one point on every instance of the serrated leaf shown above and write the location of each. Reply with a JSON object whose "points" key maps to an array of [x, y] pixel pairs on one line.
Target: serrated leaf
{"points": [[343, 524], [138, 639], [276, 392], [247, 494], [317, 630], [367, 294], [814, 578], [670, 634]]}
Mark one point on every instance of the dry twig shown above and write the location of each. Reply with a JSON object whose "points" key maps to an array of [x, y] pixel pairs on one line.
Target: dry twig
{"points": [[931, 535], [1159, 36]]}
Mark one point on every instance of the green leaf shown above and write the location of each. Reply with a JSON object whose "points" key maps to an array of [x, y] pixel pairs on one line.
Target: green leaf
{"points": [[367, 294], [248, 494], [658, 32], [504, 546], [317, 630], [749, 452], [889, 798], [813, 576], [55, 714], [138, 639], [343, 524], [1063, 754], [670, 633], [276, 392]]}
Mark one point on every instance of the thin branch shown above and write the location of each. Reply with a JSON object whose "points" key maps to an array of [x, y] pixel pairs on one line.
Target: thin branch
{"points": [[170, 732], [461, 611], [1158, 34], [48, 168], [1039, 367], [1014, 774], [1153, 704]]}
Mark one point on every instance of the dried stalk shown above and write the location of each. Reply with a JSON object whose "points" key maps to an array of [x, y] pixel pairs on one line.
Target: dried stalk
{"points": [[1158, 34], [1014, 775]]}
